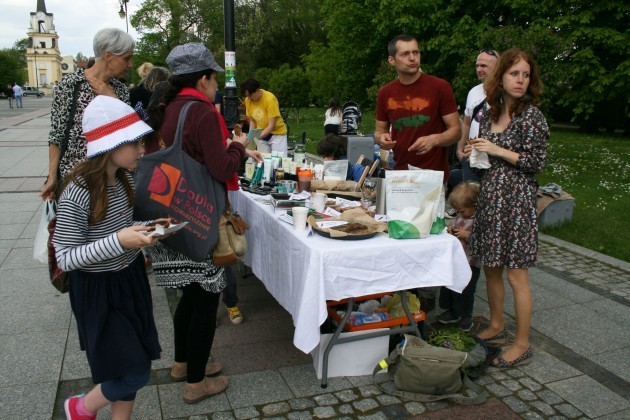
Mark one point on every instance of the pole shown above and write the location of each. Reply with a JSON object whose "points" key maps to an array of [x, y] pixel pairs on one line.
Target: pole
{"points": [[126, 15], [35, 74], [231, 113]]}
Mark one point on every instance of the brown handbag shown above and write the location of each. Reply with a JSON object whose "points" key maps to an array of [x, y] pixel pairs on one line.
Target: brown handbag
{"points": [[232, 243]]}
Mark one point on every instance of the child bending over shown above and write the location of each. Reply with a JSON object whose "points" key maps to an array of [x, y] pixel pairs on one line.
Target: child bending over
{"points": [[459, 307]]}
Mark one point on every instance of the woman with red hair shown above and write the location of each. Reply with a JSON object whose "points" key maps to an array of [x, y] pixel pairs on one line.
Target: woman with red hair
{"points": [[514, 133]]}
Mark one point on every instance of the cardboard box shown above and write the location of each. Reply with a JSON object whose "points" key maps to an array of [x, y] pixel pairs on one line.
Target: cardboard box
{"points": [[351, 359]]}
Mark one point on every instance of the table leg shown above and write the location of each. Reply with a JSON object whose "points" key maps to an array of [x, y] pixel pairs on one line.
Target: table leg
{"points": [[412, 327], [333, 341]]}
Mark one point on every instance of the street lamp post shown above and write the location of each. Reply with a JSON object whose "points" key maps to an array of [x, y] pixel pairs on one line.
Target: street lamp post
{"points": [[125, 15], [35, 74], [123, 12]]}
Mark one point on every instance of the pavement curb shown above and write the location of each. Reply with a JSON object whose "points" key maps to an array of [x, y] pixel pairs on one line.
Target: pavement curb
{"points": [[585, 252]]}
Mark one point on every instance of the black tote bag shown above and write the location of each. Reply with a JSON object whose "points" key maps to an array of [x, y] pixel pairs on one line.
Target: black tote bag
{"points": [[169, 183]]}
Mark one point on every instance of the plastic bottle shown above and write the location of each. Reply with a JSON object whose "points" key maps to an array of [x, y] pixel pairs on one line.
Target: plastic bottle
{"points": [[305, 176], [258, 174], [250, 168], [268, 169], [299, 154]]}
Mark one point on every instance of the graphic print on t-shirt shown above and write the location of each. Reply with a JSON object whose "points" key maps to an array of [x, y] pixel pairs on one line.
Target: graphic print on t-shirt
{"points": [[412, 104]]}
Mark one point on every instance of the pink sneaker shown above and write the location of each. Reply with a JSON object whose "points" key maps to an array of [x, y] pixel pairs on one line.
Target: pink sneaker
{"points": [[70, 407]]}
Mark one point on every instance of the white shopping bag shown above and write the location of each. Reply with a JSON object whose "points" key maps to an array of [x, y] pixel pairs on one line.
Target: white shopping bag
{"points": [[412, 202], [40, 248]]}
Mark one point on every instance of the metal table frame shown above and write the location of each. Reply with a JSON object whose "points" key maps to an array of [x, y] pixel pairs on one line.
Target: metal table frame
{"points": [[412, 327]]}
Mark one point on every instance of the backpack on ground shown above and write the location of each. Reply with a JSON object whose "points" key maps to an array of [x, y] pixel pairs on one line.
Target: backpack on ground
{"points": [[427, 373]]}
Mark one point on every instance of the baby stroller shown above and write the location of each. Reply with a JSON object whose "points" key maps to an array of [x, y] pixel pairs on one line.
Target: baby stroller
{"points": [[351, 114]]}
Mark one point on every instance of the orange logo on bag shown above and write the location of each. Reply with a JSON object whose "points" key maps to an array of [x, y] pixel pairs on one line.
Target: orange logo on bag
{"points": [[163, 183]]}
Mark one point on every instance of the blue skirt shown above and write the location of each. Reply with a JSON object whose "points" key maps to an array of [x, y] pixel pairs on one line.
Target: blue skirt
{"points": [[114, 314]]}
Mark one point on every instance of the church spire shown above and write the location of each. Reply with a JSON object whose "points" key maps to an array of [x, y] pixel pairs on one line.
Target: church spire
{"points": [[41, 6]]}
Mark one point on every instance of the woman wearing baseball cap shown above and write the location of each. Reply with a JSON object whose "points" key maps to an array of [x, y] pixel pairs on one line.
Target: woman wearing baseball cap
{"points": [[193, 79]]}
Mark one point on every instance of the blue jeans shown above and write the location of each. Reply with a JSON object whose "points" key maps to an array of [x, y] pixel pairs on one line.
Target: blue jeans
{"points": [[18, 101], [230, 296], [464, 174]]}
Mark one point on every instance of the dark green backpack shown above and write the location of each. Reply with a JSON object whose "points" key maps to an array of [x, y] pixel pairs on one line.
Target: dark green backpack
{"points": [[427, 373]]}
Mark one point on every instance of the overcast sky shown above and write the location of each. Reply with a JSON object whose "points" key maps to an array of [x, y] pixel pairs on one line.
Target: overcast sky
{"points": [[76, 21]]}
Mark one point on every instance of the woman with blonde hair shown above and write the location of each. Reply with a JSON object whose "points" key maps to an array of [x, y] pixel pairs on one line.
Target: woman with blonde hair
{"points": [[142, 93], [514, 133], [143, 70]]}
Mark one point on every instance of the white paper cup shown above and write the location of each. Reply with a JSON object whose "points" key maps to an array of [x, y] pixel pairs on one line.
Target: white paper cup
{"points": [[318, 202], [299, 217]]}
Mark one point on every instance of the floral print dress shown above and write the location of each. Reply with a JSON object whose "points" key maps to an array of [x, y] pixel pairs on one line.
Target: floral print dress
{"points": [[505, 231]]}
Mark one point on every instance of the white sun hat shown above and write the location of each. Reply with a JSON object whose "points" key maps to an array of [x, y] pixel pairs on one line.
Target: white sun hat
{"points": [[108, 123]]}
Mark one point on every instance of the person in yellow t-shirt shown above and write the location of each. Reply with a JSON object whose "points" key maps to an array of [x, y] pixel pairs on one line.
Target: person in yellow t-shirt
{"points": [[262, 107]]}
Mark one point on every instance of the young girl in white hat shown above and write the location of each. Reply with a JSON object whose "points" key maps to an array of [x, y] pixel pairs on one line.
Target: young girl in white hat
{"points": [[98, 244]]}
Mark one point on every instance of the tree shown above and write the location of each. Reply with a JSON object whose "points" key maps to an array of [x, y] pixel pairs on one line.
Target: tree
{"points": [[597, 61], [13, 64], [270, 33], [291, 86], [164, 24], [81, 57]]}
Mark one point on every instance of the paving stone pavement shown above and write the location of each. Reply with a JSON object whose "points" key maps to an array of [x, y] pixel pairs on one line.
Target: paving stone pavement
{"points": [[581, 339]]}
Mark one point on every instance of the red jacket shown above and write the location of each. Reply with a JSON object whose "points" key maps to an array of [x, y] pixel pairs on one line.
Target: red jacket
{"points": [[203, 139]]}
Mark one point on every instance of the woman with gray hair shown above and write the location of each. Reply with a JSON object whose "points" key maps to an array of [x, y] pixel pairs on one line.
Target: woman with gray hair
{"points": [[113, 50]]}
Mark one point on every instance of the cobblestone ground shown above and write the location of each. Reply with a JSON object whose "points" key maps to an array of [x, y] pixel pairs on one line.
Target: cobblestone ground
{"points": [[522, 390], [528, 392], [587, 271]]}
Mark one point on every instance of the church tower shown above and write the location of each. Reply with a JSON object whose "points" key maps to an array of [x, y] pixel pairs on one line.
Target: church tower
{"points": [[43, 58]]}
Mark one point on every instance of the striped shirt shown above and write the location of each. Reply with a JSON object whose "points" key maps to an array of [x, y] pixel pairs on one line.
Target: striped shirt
{"points": [[82, 246]]}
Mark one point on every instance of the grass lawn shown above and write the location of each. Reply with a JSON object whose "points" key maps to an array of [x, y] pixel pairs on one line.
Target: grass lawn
{"points": [[594, 169]]}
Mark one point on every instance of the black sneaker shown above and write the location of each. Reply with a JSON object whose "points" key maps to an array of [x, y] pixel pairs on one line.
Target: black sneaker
{"points": [[448, 318], [466, 324]]}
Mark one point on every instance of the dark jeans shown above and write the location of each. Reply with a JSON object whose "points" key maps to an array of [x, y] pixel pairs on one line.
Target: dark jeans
{"points": [[195, 322], [462, 174], [461, 304], [331, 129], [125, 387], [230, 297]]}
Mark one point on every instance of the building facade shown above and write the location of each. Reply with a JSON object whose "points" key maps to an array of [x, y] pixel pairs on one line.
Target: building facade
{"points": [[43, 59]]}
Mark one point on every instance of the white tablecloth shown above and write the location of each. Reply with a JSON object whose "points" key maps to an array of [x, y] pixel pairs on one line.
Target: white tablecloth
{"points": [[302, 272]]}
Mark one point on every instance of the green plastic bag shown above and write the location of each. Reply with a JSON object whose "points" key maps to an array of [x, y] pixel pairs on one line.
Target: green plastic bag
{"points": [[395, 305]]}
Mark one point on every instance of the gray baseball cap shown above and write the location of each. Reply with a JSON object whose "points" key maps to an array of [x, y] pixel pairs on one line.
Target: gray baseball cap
{"points": [[191, 58]]}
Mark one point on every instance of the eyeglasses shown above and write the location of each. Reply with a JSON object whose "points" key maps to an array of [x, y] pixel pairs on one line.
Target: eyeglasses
{"points": [[489, 52]]}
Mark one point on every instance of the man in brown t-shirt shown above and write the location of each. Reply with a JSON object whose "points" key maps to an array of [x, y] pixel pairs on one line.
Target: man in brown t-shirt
{"points": [[419, 109]]}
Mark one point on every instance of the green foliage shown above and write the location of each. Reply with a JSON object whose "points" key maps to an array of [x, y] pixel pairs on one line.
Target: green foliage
{"points": [[582, 48], [320, 64], [13, 64], [81, 57], [452, 338], [291, 87], [164, 24]]}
